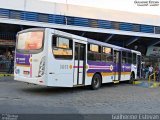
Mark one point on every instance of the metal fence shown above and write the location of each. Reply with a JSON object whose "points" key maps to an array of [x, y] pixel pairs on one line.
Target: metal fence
{"points": [[7, 36], [4, 65]]}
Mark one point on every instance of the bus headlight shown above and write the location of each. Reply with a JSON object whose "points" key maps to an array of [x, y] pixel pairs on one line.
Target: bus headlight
{"points": [[41, 67]]}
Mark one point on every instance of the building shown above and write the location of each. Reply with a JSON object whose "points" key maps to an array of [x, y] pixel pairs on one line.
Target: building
{"points": [[131, 30]]}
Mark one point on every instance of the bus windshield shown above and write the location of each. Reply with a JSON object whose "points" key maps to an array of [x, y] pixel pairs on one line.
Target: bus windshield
{"points": [[30, 40]]}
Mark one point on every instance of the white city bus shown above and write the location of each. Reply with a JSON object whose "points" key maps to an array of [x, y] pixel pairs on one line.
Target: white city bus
{"points": [[54, 58]]}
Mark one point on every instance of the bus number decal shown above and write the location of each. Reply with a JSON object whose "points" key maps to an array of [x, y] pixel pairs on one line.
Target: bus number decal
{"points": [[64, 67]]}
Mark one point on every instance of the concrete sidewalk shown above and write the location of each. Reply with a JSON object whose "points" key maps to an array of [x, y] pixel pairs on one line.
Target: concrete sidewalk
{"points": [[147, 84]]}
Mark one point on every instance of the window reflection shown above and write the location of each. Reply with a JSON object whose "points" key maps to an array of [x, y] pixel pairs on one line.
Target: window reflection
{"points": [[30, 40], [62, 47]]}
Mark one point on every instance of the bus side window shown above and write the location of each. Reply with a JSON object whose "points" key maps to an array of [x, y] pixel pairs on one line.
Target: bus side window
{"points": [[134, 59], [76, 52], [107, 54], [116, 57], [94, 52], [62, 47], [124, 57], [130, 58], [82, 49]]}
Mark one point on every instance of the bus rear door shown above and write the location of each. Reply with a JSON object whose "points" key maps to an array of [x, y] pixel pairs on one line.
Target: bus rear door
{"points": [[79, 63], [117, 64]]}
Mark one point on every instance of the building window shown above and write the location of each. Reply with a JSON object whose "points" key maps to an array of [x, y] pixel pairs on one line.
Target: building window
{"points": [[93, 23], [4, 13], [69, 20], [15, 15], [157, 30], [136, 27], [116, 25], [42, 17]]}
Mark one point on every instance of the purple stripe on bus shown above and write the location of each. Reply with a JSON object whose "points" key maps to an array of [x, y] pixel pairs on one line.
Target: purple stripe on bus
{"points": [[99, 63], [97, 70], [124, 67], [102, 67], [108, 70]]}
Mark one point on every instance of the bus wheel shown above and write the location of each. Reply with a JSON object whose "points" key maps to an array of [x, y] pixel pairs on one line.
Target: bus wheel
{"points": [[96, 82], [132, 78]]}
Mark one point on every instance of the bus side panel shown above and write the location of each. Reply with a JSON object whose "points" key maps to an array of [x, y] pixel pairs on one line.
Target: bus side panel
{"points": [[134, 69], [126, 72], [107, 79], [105, 69], [88, 79], [59, 71]]}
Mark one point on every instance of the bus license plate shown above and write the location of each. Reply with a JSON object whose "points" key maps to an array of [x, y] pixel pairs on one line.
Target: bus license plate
{"points": [[26, 72]]}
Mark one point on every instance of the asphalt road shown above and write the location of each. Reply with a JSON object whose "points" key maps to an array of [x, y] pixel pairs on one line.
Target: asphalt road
{"points": [[21, 98]]}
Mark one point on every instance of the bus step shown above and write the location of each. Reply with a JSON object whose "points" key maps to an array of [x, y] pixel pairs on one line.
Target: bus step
{"points": [[115, 81]]}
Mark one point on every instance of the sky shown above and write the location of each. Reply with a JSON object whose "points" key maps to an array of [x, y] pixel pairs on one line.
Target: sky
{"points": [[123, 5]]}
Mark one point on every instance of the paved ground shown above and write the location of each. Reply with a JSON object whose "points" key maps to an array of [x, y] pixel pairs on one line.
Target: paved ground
{"points": [[19, 97]]}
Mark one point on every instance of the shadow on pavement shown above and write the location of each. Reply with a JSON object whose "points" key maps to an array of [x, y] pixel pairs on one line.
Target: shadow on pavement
{"points": [[61, 90], [54, 90]]}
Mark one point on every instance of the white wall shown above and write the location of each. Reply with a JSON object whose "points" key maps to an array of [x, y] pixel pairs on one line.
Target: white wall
{"points": [[80, 11], [12, 4]]}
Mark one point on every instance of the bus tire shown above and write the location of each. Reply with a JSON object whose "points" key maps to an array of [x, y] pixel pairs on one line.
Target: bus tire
{"points": [[132, 78], [96, 82]]}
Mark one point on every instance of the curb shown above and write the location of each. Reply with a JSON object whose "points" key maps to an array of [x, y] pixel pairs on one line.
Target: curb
{"points": [[4, 75], [146, 84]]}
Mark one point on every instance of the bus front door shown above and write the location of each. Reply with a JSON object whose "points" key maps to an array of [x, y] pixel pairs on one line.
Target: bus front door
{"points": [[117, 64], [79, 63]]}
